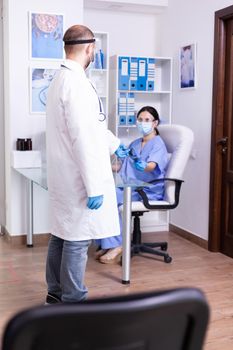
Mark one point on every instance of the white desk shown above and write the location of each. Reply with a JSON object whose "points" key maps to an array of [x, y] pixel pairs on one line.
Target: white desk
{"points": [[39, 176]]}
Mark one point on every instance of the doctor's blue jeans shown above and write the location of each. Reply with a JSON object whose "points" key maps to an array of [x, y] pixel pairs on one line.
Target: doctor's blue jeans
{"points": [[65, 269]]}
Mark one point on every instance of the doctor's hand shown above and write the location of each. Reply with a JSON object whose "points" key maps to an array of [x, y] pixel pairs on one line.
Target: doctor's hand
{"points": [[140, 165], [95, 202], [122, 151]]}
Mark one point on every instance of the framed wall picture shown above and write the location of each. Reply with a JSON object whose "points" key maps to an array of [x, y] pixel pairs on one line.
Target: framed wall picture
{"points": [[40, 79], [187, 67], [45, 36]]}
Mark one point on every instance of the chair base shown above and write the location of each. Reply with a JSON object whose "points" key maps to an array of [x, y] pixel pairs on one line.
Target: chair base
{"points": [[138, 247]]}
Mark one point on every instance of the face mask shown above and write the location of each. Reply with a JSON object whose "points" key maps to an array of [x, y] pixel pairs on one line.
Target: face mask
{"points": [[145, 128]]}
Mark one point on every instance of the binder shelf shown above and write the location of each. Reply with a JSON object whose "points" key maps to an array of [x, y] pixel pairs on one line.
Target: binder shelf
{"points": [[134, 83]]}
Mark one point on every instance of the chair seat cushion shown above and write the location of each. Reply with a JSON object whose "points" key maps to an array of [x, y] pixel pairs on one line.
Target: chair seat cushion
{"points": [[139, 206]]}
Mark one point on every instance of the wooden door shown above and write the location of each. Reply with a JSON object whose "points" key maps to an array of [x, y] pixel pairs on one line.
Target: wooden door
{"points": [[221, 181], [225, 143]]}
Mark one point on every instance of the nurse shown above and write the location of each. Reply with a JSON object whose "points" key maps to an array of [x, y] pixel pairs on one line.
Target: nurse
{"points": [[81, 187], [148, 162]]}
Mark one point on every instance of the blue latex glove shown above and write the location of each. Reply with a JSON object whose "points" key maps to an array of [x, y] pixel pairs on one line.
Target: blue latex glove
{"points": [[140, 165], [95, 202], [122, 151]]}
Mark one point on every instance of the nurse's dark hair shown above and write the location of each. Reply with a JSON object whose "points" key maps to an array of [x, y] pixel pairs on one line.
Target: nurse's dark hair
{"points": [[76, 32], [153, 112]]}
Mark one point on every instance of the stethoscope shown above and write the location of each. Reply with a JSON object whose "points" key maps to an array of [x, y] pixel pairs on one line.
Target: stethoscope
{"points": [[102, 115]]}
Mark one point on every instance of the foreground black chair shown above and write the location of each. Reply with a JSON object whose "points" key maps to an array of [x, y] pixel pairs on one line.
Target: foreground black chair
{"points": [[165, 320]]}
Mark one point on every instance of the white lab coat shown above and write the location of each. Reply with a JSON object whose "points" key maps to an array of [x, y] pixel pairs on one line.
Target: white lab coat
{"points": [[78, 159]]}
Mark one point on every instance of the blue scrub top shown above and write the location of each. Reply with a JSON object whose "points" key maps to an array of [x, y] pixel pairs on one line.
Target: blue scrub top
{"points": [[153, 151]]}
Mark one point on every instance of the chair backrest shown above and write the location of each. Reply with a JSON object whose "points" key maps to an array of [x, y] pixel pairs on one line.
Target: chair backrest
{"points": [[172, 319], [178, 140]]}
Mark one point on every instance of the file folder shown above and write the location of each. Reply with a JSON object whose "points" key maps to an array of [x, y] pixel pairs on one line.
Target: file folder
{"points": [[142, 74], [122, 108], [151, 74], [131, 120], [122, 120], [123, 73], [133, 73]]}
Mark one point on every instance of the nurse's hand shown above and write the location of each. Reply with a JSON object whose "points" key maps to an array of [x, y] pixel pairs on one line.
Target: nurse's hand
{"points": [[95, 202], [140, 165], [122, 151]]}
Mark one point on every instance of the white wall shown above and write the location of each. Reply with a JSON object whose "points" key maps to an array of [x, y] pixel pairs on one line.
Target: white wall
{"points": [[19, 121], [185, 22], [129, 33], [2, 143]]}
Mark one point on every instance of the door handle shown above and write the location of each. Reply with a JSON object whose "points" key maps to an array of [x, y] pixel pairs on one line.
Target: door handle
{"points": [[224, 150], [222, 141]]}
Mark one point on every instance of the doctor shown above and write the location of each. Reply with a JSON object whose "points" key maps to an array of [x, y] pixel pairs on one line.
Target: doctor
{"points": [[81, 187]]}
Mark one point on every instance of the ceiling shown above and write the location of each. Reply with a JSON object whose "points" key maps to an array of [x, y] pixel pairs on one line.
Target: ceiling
{"points": [[147, 6]]}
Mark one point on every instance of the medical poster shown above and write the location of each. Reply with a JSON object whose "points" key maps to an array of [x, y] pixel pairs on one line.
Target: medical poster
{"points": [[188, 67], [46, 33], [40, 79]]}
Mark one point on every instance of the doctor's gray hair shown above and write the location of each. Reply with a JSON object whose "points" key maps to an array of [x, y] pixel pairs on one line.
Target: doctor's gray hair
{"points": [[76, 32]]}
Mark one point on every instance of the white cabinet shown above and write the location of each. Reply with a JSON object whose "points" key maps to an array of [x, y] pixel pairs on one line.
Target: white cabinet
{"points": [[99, 70], [126, 96], [136, 82]]}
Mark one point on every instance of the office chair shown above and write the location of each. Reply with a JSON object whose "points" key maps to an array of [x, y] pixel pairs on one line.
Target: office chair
{"points": [[171, 319], [178, 140]]}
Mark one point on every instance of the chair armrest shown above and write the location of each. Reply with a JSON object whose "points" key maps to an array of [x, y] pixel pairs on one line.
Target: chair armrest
{"points": [[146, 203]]}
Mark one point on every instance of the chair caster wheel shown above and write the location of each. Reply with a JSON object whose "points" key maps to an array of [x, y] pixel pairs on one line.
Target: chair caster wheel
{"points": [[164, 247], [167, 259]]}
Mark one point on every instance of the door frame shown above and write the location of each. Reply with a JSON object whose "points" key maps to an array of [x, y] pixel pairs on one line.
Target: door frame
{"points": [[221, 17]]}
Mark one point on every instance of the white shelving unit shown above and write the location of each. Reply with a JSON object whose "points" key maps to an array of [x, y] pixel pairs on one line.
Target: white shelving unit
{"points": [[160, 97], [99, 71]]}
